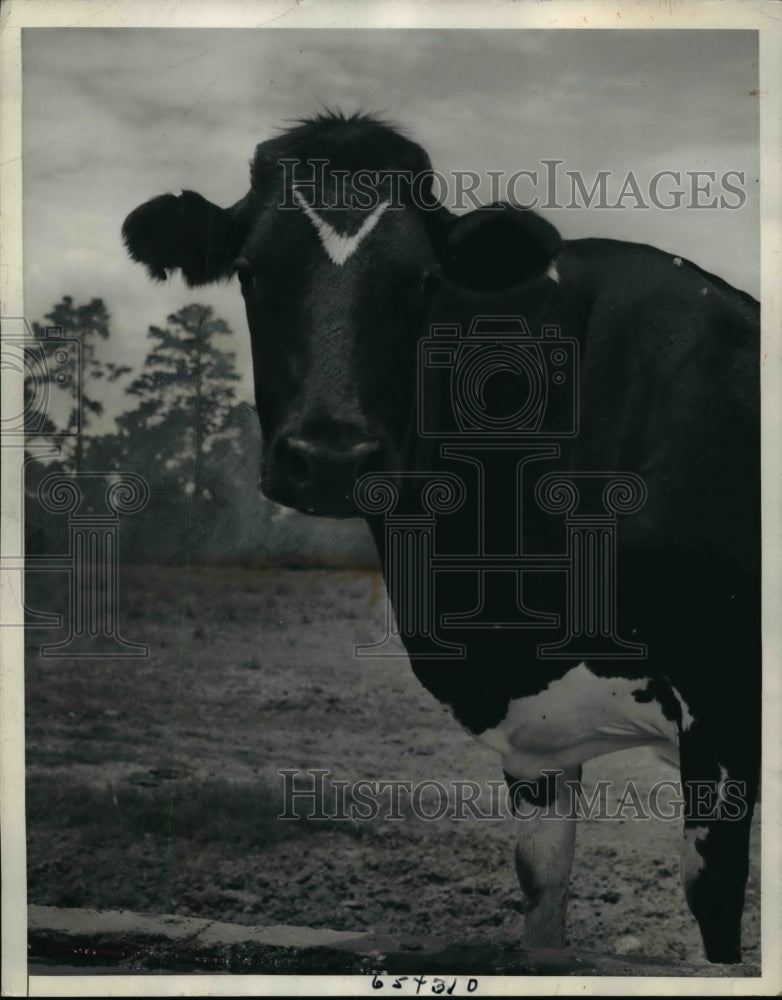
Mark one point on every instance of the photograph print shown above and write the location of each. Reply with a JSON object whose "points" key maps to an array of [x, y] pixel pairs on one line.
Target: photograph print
{"points": [[390, 456]]}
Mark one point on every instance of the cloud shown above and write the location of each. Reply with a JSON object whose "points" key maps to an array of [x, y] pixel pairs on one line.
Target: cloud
{"points": [[114, 117]]}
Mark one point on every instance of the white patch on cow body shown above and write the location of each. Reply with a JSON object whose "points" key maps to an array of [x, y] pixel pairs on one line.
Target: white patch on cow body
{"points": [[677, 261], [687, 717], [552, 272], [692, 859], [575, 718], [704, 291], [339, 247]]}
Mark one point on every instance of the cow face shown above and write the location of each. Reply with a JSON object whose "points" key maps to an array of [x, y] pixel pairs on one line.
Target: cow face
{"points": [[338, 249]]}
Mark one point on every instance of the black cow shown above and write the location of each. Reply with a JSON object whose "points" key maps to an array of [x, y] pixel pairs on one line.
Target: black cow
{"points": [[641, 375]]}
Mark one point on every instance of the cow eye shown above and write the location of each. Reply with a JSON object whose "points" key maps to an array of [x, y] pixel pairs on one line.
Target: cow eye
{"points": [[245, 274]]}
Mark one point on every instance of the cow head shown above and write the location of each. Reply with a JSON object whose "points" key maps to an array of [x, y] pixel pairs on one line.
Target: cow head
{"points": [[339, 248]]}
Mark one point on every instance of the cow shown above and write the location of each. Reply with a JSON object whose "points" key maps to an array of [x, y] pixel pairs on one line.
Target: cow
{"points": [[350, 264]]}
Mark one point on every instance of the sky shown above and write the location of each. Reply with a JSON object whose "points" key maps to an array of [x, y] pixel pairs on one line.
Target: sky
{"points": [[114, 117]]}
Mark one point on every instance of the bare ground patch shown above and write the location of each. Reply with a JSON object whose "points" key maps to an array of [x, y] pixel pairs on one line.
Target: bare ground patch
{"points": [[154, 784]]}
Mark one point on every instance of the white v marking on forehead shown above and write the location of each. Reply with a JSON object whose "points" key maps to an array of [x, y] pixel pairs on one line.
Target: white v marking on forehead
{"points": [[337, 246]]}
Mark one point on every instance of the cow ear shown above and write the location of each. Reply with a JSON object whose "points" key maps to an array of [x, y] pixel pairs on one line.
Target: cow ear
{"points": [[186, 232], [497, 247]]}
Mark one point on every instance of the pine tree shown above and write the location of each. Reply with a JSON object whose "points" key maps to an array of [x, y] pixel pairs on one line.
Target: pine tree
{"points": [[70, 384], [180, 435]]}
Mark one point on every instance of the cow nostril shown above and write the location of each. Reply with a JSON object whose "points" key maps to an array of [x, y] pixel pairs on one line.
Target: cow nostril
{"points": [[315, 471], [293, 459]]}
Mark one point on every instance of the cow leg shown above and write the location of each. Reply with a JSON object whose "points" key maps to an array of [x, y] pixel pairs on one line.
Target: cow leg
{"points": [[544, 852], [719, 794]]}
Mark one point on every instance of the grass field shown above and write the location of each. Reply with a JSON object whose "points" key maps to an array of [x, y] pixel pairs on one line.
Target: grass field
{"points": [[154, 785]]}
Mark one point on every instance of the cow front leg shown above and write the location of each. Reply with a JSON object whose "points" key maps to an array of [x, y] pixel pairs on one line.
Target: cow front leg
{"points": [[546, 836]]}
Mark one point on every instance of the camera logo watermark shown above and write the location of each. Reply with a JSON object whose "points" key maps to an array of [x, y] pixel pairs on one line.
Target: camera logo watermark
{"points": [[49, 368], [498, 378]]}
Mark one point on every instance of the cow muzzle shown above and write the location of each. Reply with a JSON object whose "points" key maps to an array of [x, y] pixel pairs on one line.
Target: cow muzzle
{"points": [[318, 476]]}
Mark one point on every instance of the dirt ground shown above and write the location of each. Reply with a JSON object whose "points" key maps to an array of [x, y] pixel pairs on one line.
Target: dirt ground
{"points": [[154, 784]]}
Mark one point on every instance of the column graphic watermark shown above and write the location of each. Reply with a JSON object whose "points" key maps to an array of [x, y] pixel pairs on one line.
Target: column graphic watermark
{"points": [[92, 561], [36, 425]]}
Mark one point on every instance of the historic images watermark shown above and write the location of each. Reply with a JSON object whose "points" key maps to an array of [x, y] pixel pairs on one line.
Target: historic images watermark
{"points": [[315, 794], [34, 430], [549, 186]]}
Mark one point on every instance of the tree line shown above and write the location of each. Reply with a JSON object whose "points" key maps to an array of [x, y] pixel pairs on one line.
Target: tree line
{"points": [[177, 423]]}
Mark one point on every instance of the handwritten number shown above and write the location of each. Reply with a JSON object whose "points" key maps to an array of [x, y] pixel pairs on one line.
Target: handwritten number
{"points": [[438, 986]]}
